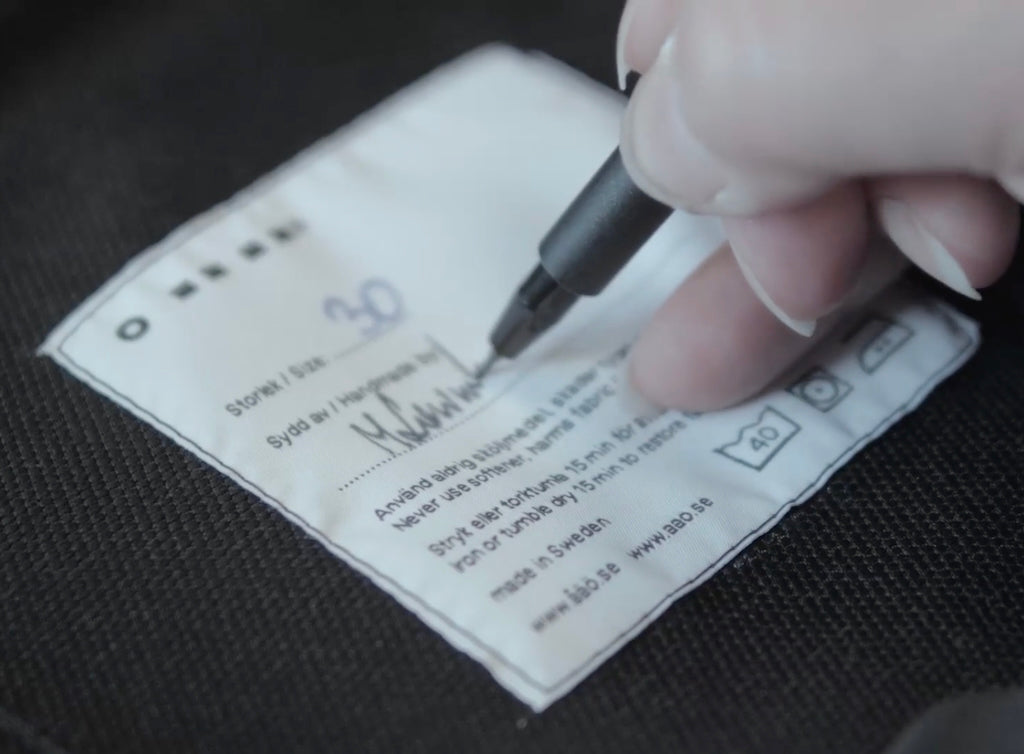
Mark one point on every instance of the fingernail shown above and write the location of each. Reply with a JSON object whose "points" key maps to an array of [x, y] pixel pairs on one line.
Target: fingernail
{"points": [[1014, 185], [923, 249], [622, 68], [662, 156], [732, 200], [634, 403], [805, 327]]}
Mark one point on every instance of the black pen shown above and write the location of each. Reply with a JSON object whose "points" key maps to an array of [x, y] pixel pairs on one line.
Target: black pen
{"points": [[592, 241]]}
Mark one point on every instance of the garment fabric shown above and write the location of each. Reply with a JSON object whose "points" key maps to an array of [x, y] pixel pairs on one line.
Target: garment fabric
{"points": [[149, 604]]}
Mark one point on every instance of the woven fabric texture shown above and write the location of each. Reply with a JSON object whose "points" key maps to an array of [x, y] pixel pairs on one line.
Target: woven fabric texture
{"points": [[150, 605]]}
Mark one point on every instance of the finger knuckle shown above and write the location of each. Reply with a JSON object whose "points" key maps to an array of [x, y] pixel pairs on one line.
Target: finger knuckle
{"points": [[715, 54]]}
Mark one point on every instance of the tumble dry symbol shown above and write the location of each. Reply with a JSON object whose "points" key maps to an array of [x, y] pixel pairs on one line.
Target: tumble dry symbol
{"points": [[820, 389]]}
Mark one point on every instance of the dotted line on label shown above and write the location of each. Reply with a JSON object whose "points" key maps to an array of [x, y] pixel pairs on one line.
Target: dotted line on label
{"points": [[375, 466], [443, 432]]}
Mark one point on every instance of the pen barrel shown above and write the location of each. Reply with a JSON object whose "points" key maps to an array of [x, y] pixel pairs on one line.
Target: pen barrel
{"points": [[601, 230]]}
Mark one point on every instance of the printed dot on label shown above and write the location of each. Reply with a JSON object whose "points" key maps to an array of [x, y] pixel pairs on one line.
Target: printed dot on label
{"points": [[287, 231], [184, 289], [252, 250], [214, 271]]}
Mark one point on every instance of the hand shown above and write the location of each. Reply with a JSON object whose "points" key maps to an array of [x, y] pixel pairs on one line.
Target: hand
{"points": [[806, 125]]}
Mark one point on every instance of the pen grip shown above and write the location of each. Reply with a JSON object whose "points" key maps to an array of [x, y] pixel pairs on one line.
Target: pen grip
{"points": [[601, 230]]}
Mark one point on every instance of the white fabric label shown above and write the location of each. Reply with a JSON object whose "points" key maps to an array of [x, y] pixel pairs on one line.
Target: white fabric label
{"points": [[310, 339]]}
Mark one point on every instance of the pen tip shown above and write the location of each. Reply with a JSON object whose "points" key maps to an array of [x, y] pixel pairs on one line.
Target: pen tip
{"points": [[484, 368]]}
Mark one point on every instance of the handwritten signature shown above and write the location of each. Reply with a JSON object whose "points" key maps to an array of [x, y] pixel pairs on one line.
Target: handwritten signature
{"points": [[399, 427]]}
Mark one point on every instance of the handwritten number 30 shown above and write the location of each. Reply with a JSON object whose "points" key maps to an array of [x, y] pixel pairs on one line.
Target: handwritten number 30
{"points": [[379, 307]]}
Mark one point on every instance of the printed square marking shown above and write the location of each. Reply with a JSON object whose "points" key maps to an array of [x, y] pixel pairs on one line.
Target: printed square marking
{"points": [[214, 271], [252, 250], [184, 289], [288, 231]]}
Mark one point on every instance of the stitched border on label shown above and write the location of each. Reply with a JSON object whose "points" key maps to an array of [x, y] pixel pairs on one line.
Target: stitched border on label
{"points": [[584, 667], [186, 233]]}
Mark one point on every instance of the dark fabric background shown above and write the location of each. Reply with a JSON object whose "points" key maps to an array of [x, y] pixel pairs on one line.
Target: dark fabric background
{"points": [[147, 604]]}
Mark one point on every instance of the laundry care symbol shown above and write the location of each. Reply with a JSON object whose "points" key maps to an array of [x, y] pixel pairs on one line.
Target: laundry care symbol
{"points": [[135, 327], [759, 441], [820, 389], [877, 338]]}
